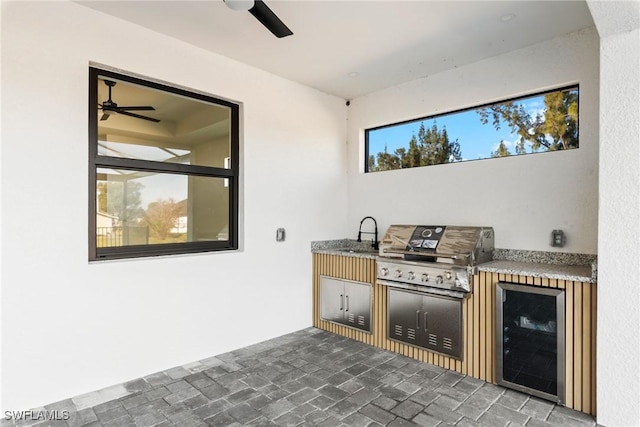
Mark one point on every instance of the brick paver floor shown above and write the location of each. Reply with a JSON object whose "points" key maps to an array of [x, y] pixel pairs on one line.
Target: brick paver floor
{"points": [[308, 378]]}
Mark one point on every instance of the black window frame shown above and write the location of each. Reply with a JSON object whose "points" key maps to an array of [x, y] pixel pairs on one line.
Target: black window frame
{"points": [[462, 110], [97, 161]]}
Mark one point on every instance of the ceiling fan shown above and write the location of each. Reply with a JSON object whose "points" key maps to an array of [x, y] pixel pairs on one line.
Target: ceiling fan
{"points": [[263, 14], [109, 107]]}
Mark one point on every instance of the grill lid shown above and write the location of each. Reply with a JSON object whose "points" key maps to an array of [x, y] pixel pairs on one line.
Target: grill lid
{"points": [[457, 245]]}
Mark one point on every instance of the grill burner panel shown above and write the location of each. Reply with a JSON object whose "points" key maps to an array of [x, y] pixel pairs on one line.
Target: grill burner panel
{"points": [[416, 275]]}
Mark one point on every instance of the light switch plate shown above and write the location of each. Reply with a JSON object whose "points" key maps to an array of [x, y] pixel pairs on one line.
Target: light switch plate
{"points": [[557, 238]]}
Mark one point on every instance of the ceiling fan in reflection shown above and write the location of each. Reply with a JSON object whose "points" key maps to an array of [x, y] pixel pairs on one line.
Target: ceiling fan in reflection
{"points": [[109, 107]]}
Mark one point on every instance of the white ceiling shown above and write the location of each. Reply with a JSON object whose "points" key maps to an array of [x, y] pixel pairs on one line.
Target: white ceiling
{"points": [[384, 42]]}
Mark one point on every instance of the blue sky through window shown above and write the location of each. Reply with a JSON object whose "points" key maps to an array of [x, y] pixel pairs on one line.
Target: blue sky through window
{"points": [[477, 140]]}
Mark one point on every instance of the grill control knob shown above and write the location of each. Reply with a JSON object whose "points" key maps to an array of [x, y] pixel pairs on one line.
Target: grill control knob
{"points": [[425, 277], [447, 275], [398, 273], [384, 271], [439, 279], [411, 275]]}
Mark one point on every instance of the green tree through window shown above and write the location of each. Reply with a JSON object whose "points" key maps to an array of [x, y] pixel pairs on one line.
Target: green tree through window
{"points": [[430, 147], [532, 124]]}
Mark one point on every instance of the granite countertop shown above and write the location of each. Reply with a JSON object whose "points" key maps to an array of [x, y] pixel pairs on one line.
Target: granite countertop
{"points": [[345, 247], [549, 265], [578, 273]]}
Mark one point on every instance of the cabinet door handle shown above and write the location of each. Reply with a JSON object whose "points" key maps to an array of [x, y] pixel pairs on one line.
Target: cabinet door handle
{"points": [[341, 302], [346, 297], [426, 321], [417, 319]]}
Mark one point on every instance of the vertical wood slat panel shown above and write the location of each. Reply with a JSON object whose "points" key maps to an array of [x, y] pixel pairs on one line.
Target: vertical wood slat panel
{"points": [[577, 346], [488, 303], [594, 306], [375, 319], [476, 334], [586, 349], [384, 322], [382, 305], [348, 268], [479, 325], [465, 335], [492, 357], [569, 310], [314, 294], [482, 324]]}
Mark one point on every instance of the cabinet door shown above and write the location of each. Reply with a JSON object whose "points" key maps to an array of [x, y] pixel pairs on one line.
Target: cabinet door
{"points": [[441, 322], [331, 299], [404, 316], [357, 305]]}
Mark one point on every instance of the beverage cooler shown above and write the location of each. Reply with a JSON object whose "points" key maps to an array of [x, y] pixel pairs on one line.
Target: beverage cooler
{"points": [[530, 340]]}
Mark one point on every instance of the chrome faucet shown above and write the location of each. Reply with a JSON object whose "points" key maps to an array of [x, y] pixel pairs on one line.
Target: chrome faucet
{"points": [[374, 242]]}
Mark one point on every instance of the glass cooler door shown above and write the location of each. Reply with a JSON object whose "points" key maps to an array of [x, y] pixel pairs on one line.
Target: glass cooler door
{"points": [[530, 340]]}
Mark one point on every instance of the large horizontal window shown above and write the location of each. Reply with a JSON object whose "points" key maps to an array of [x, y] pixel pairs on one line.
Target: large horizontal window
{"points": [[163, 169], [536, 123]]}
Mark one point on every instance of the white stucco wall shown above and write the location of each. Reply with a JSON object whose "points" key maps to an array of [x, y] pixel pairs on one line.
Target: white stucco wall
{"points": [[524, 198], [618, 349], [70, 327], [619, 260]]}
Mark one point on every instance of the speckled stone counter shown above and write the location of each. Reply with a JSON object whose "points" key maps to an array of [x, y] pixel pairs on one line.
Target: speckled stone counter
{"points": [[550, 265], [578, 273], [542, 257], [345, 247]]}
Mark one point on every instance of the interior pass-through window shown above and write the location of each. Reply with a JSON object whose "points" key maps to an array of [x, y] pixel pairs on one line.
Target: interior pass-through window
{"points": [[163, 169]]}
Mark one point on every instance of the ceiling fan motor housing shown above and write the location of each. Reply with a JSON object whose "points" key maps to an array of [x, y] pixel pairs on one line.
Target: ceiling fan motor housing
{"points": [[109, 107]]}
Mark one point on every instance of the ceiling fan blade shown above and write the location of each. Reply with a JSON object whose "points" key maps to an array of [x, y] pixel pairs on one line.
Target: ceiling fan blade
{"points": [[137, 108], [269, 19], [105, 116], [137, 116]]}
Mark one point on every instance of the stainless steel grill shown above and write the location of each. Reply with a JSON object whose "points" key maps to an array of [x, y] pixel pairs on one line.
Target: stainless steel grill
{"points": [[436, 259], [428, 271]]}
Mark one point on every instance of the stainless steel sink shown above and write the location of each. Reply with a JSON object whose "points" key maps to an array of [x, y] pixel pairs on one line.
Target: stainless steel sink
{"points": [[361, 251]]}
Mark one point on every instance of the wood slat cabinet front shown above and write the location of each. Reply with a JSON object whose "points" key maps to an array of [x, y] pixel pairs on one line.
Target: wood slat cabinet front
{"points": [[479, 321], [580, 334], [345, 268]]}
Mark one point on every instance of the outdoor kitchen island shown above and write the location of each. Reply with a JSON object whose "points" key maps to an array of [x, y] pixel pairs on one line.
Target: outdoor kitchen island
{"points": [[351, 261]]}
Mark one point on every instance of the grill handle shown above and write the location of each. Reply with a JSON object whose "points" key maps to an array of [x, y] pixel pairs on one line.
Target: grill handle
{"points": [[424, 254]]}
